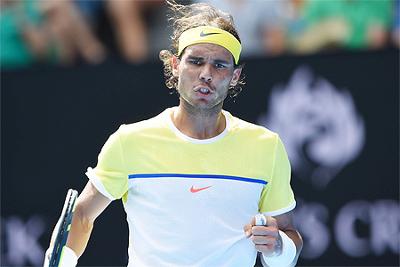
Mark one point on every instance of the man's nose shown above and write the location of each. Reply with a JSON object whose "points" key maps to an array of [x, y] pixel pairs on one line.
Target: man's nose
{"points": [[206, 73]]}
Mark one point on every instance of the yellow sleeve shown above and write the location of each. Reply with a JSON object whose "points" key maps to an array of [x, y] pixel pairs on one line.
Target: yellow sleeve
{"points": [[277, 196], [110, 176]]}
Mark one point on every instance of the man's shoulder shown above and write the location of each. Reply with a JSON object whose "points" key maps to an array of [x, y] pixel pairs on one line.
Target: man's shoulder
{"points": [[155, 123], [239, 125]]}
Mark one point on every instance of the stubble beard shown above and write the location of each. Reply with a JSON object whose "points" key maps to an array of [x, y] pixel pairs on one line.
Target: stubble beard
{"points": [[203, 109]]}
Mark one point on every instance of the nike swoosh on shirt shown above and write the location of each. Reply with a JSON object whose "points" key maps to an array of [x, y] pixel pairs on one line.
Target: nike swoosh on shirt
{"points": [[203, 34], [195, 190]]}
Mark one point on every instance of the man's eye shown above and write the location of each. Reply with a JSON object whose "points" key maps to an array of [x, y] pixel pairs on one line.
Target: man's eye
{"points": [[195, 61], [220, 66]]}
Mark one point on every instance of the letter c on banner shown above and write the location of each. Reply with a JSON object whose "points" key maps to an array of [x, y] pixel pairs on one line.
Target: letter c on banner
{"points": [[345, 228]]}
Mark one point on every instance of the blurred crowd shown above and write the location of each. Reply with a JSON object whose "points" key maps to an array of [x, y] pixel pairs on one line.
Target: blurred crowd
{"points": [[68, 32]]}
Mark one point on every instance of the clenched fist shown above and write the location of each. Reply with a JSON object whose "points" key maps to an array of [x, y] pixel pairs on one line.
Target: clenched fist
{"points": [[264, 233]]}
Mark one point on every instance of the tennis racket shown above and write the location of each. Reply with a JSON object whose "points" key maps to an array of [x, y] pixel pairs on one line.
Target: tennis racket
{"points": [[64, 224]]}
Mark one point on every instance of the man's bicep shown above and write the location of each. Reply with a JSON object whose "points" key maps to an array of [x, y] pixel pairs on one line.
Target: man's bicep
{"points": [[91, 202]]}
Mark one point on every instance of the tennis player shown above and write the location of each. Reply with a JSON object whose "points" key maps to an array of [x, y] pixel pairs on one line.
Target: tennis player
{"points": [[200, 186]]}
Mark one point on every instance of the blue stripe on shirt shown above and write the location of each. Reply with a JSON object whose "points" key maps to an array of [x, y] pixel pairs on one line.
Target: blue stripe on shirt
{"points": [[206, 176]]}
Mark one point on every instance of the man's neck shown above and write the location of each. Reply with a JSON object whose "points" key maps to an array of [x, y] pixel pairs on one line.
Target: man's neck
{"points": [[199, 123]]}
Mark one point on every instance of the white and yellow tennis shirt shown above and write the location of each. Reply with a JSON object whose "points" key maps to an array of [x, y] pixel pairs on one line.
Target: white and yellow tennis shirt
{"points": [[187, 200]]}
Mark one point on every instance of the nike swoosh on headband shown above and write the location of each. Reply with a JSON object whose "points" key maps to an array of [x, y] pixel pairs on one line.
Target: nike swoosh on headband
{"points": [[203, 34]]}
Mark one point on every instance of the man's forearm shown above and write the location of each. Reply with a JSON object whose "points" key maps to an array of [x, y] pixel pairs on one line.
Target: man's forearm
{"points": [[90, 204], [81, 228]]}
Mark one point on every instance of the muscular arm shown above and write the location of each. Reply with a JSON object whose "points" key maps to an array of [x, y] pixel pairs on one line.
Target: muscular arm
{"points": [[90, 204], [285, 224]]}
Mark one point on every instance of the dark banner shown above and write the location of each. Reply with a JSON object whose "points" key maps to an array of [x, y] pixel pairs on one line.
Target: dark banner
{"points": [[337, 114]]}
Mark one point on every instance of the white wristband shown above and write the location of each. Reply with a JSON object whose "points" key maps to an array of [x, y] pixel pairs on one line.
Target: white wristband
{"points": [[68, 258], [286, 257], [47, 258]]}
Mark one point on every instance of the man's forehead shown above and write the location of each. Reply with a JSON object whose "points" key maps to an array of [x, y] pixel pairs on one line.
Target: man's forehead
{"points": [[209, 50]]}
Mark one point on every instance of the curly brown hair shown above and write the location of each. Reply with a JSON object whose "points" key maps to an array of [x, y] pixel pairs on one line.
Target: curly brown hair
{"points": [[184, 17]]}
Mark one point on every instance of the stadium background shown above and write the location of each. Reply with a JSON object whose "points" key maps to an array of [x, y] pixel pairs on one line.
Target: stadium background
{"points": [[55, 120], [337, 113]]}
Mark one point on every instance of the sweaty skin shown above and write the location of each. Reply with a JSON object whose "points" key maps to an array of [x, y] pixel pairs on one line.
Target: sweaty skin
{"points": [[203, 67]]}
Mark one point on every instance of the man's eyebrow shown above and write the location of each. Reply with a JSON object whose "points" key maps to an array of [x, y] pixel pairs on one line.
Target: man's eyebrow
{"points": [[221, 61], [218, 61], [196, 58]]}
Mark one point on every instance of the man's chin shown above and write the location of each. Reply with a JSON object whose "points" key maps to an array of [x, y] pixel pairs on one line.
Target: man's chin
{"points": [[202, 104]]}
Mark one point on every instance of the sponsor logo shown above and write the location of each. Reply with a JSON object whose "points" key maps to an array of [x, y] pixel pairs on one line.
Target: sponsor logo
{"points": [[203, 34], [318, 123], [21, 240], [360, 228], [195, 190]]}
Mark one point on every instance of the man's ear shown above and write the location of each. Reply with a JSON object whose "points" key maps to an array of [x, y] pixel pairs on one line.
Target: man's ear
{"points": [[236, 76], [175, 65]]}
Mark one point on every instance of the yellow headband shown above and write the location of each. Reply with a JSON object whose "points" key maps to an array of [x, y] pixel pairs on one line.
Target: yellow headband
{"points": [[213, 35]]}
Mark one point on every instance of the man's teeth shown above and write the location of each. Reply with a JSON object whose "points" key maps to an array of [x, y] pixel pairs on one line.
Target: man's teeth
{"points": [[204, 90]]}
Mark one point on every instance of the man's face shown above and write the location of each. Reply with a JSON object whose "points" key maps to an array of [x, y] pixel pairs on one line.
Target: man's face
{"points": [[205, 72]]}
